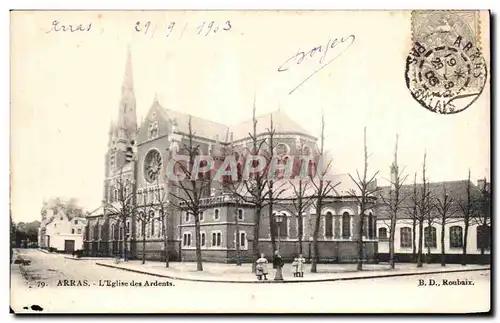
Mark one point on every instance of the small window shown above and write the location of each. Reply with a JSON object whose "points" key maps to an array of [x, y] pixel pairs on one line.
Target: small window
{"points": [[240, 214], [456, 238], [329, 225], [216, 214], [61, 218], [200, 216], [79, 231], [243, 239], [76, 221], [55, 225], [346, 225], [186, 239], [405, 238], [430, 237], [203, 239], [72, 231], [186, 217], [216, 239], [382, 234]]}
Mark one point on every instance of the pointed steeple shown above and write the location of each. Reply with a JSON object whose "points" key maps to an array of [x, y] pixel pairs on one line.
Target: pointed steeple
{"points": [[128, 80], [127, 116]]}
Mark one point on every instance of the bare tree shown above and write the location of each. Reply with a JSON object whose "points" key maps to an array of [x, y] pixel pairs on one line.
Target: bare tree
{"points": [[162, 205], [482, 216], [424, 206], [254, 191], [124, 205], [145, 216], [445, 206], [367, 188], [467, 207], [300, 199], [190, 191], [322, 189], [413, 212], [394, 202]]}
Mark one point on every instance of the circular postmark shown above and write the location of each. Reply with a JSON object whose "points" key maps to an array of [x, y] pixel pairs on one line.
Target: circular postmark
{"points": [[445, 72]]}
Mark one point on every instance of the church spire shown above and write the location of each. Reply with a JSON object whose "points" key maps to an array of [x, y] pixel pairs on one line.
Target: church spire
{"points": [[127, 118]]}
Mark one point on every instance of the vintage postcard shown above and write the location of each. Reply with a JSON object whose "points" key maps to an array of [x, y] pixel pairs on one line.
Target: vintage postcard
{"points": [[250, 162]]}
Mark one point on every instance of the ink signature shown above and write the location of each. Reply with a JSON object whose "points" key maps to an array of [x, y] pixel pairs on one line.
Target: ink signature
{"points": [[334, 46]]}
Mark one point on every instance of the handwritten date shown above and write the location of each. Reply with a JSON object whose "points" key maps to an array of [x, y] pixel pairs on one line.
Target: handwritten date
{"points": [[205, 28]]}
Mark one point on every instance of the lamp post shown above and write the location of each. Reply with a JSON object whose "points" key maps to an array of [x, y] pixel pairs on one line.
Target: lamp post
{"points": [[279, 219]]}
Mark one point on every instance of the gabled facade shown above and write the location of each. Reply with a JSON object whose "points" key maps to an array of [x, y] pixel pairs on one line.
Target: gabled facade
{"points": [[61, 232]]}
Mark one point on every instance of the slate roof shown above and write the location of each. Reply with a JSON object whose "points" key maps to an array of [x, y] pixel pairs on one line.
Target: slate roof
{"points": [[282, 123], [209, 129], [456, 190]]}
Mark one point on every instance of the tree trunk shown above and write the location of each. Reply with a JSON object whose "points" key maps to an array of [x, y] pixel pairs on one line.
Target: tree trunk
{"points": [[420, 238], [143, 243], [272, 228], [237, 238], [443, 254], [124, 244], [414, 241], [315, 256], [301, 231], [255, 241], [428, 255], [464, 249], [392, 261], [199, 265], [165, 240], [359, 266]]}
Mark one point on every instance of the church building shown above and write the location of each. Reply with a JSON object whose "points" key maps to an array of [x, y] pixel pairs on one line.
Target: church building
{"points": [[152, 143]]}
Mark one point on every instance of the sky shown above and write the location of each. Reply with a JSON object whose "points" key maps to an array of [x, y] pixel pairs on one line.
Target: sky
{"points": [[65, 91]]}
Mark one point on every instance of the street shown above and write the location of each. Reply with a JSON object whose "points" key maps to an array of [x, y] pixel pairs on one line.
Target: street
{"points": [[60, 285]]}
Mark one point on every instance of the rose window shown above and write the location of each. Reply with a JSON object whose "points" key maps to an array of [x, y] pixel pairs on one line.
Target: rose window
{"points": [[152, 165]]}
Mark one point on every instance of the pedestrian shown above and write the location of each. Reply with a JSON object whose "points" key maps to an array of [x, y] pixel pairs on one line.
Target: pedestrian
{"points": [[278, 264], [295, 268], [261, 267], [300, 265]]}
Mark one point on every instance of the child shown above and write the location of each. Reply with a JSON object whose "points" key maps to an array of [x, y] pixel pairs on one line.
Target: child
{"points": [[295, 265], [300, 265], [261, 268]]}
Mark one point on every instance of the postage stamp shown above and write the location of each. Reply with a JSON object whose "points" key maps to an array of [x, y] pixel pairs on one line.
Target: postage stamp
{"points": [[445, 70]]}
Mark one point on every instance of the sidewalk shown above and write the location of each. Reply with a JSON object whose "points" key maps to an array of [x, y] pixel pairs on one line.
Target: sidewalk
{"points": [[230, 273]]}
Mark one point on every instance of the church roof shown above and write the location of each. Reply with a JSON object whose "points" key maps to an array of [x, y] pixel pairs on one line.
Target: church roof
{"points": [[282, 124], [201, 127], [210, 129]]}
